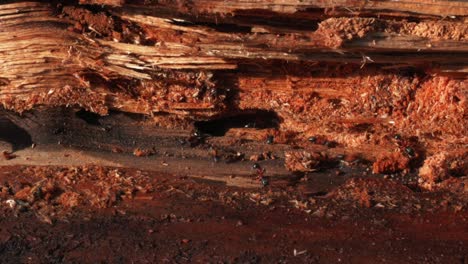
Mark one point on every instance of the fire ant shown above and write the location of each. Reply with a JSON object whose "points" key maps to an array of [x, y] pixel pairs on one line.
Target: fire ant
{"points": [[260, 174], [405, 146]]}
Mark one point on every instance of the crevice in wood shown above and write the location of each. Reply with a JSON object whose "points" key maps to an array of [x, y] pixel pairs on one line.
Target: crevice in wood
{"points": [[250, 118]]}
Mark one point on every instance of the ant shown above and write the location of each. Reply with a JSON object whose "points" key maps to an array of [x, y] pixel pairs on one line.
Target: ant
{"points": [[196, 138], [260, 174], [405, 146], [270, 139]]}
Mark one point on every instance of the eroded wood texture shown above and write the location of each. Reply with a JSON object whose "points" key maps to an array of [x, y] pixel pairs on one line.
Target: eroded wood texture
{"points": [[354, 73]]}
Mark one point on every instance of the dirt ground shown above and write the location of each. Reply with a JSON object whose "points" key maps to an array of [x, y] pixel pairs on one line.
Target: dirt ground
{"points": [[90, 214]]}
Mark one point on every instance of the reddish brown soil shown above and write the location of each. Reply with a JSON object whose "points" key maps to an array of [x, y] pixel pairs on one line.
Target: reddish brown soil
{"points": [[182, 220]]}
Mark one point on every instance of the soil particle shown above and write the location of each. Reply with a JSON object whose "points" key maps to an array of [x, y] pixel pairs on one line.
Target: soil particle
{"points": [[304, 161], [262, 156], [388, 163], [69, 199], [138, 152], [442, 166]]}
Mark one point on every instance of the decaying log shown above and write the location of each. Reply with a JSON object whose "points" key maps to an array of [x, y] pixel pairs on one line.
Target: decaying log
{"points": [[353, 73]]}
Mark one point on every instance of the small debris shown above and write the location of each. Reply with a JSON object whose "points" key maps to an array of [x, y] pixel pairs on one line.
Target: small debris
{"points": [[388, 163], [330, 144], [11, 202], [441, 167], [304, 161], [138, 152], [69, 199], [266, 201], [379, 205], [115, 149], [263, 156], [255, 157], [301, 205], [298, 253], [44, 218]]}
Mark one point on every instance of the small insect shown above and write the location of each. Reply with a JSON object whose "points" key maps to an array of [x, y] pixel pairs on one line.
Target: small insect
{"points": [[195, 141], [196, 138], [250, 125], [270, 139], [256, 166], [265, 181], [213, 92], [410, 152], [312, 139], [404, 146], [197, 133], [329, 144], [259, 172]]}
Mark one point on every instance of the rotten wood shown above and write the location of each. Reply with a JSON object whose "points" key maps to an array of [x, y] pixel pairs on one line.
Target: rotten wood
{"points": [[354, 73]]}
